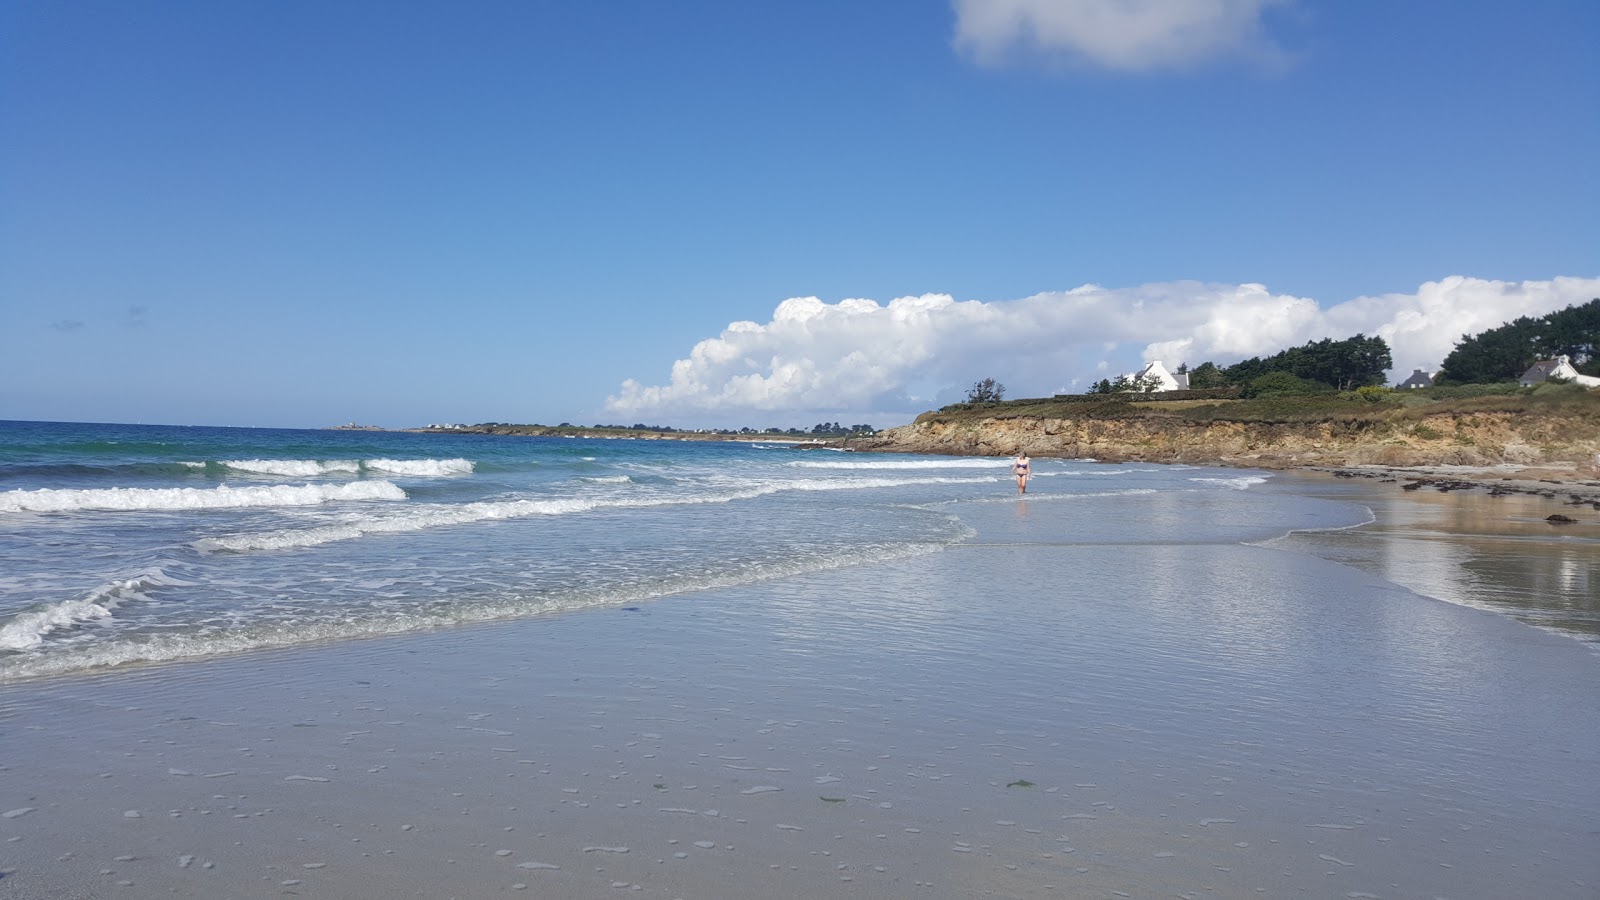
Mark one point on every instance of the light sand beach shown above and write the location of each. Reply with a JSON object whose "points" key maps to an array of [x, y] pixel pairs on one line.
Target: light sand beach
{"points": [[1017, 716]]}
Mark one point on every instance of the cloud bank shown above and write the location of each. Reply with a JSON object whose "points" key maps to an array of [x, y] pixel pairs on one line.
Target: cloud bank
{"points": [[1125, 35], [858, 360]]}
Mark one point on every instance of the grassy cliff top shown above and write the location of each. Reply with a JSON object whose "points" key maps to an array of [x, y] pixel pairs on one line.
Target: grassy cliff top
{"points": [[1367, 405]]}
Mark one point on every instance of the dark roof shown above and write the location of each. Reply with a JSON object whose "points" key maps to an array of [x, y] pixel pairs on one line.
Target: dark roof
{"points": [[1542, 369]]}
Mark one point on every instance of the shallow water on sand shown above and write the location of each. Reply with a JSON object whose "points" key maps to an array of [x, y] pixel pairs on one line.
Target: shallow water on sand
{"points": [[126, 545], [1496, 553], [1040, 710]]}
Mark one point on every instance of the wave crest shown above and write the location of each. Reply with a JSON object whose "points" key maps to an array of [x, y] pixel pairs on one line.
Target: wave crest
{"points": [[313, 468], [27, 629], [223, 497], [1238, 483], [952, 463], [428, 467], [293, 468]]}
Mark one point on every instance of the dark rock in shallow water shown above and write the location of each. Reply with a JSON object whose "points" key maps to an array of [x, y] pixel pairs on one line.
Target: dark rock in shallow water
{"points": [[1411, 486], [1559, 519]]}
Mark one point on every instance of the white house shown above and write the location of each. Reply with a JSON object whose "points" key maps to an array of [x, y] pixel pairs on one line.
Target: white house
{"points": [[1165, 381], [1560, 367]]}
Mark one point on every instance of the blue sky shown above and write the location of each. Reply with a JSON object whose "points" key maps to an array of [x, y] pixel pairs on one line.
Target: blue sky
{"points": [[301, 214]]}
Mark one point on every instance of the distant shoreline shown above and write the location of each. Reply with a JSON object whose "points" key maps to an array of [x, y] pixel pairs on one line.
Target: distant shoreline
{"points": [[1564, 483], [642, 434]]}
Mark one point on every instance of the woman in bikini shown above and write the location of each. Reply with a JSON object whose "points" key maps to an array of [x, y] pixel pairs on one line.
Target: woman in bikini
{"points": [[1022, 468]]}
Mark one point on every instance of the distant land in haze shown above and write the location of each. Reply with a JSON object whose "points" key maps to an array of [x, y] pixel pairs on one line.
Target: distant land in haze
{"points": [[820, 433]]}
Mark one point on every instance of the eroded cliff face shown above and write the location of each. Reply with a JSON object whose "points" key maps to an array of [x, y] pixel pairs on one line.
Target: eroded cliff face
{"points": [[1473, 440]]}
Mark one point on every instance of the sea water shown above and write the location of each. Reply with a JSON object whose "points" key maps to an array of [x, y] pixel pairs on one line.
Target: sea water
{"points": [[130, 544]]}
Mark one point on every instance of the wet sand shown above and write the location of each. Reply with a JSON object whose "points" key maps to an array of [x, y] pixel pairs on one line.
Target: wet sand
{"points": [[1018, 716], [1567, 485]]}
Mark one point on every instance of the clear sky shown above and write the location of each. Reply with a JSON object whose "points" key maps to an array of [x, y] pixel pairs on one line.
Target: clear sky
{"points": [[732, 213]]}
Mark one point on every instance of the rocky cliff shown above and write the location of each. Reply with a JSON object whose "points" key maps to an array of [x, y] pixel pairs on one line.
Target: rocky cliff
{"points": [[1417, 439]]}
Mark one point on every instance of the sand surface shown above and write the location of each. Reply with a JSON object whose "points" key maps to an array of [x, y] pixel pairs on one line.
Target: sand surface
{"points": [[1570, 485], [1014, 717]]}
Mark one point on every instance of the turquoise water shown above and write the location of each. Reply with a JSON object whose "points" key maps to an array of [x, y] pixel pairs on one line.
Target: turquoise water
{"points": [[123, 544]]}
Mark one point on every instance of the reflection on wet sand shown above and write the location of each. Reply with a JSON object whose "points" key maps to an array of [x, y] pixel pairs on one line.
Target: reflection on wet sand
{"points": [[1488, 552]]}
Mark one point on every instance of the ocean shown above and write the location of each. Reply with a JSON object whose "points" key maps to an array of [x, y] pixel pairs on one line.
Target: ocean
{"points": [[241, 662], [133, 544]]}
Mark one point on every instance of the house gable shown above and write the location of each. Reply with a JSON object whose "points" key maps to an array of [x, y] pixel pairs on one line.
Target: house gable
{"points": [[1166, 381], [1560, 367], [1418, 379]]}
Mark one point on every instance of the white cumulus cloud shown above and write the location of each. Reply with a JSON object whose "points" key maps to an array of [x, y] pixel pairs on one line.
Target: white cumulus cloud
{"points": [[1127, 35], [859, 360]]}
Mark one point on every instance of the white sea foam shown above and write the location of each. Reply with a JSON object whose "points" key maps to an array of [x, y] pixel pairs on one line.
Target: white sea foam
{"points": [[167, 646], [428, 467], [314, 468], [294, 468], [28, 628], [955, 462], [417, 518], [420, 517], [850, 484], [1240, 483], [222, 497], [1051, 498]]}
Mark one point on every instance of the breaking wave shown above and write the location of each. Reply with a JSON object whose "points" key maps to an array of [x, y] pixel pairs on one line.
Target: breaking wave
{"points": [[952, 463], [313, 468], [223, 497], [1240, 483], [28, 628], [167, 647], [425, 516]]}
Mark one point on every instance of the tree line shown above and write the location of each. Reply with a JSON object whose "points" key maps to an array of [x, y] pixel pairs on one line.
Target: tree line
{"points": [[1325, 365], [1504, 353], [1496, 355]]}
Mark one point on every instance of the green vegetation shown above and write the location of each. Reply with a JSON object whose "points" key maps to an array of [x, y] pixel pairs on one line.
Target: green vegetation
{"points": [[1279, 383], [1364, 407], [1319, 366], [1206, 376], [986, 391], [1341, 365], [1504, 353], [1122, 384]]}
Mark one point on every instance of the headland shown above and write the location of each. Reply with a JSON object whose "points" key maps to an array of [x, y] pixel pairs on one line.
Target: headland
{"points": [[1541, 441]]}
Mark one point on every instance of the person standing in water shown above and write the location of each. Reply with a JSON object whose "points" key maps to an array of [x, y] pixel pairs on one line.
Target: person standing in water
{"points": [[1022, 467]]}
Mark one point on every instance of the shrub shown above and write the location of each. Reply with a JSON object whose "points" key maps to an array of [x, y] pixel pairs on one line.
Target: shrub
{"points": [[1460, 391], [1275, 384]]}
